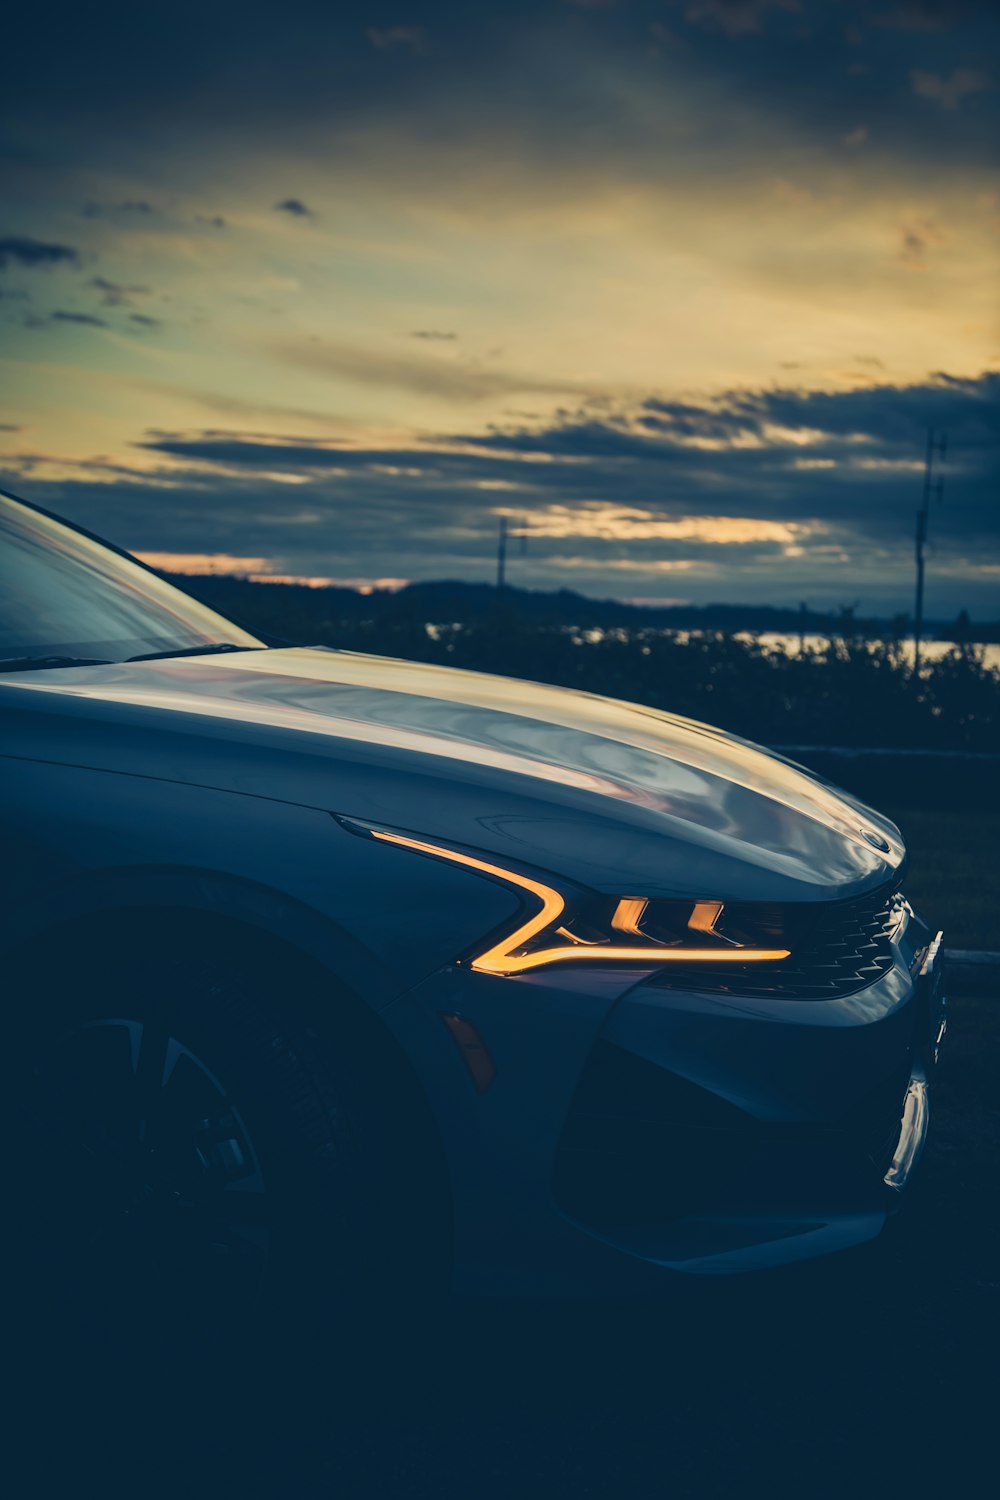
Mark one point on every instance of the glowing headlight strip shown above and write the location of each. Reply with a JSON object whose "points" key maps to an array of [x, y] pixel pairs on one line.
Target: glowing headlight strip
{"points": [[501, 959]]}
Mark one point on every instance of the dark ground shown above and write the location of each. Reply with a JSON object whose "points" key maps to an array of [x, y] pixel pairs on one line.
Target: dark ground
{"points": [[874, 1373]]}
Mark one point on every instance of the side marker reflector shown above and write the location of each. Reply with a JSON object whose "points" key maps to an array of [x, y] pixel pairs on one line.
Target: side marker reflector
{"points": [[473, 1051]]}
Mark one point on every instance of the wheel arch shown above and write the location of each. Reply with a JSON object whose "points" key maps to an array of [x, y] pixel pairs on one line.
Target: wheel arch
{"points": [[74, 944]]}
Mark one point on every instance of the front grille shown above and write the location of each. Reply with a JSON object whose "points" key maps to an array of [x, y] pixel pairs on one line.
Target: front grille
{"points": [[836, 948]]}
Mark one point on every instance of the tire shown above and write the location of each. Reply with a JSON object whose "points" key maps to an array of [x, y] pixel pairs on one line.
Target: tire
{"points": [[196, 1161]]}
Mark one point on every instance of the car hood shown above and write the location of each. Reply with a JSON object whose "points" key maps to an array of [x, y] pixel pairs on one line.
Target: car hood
{"points": [[575, 776]]}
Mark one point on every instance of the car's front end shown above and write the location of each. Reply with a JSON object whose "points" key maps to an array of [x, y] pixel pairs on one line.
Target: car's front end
{"points": [[651, 997], [612, 1121]]}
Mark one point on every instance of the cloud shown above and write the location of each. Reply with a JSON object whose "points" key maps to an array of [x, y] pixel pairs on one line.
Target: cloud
{"points": [[951, 90], [663, 39], [411, 39], [734, 17], [86, 319], [10, 427], [430, 376], [214, 221], [195, 564], [744, 454], [130, 206], [855, 137], [258, 570], [433, 335], [885, 414], [295, 207], [144, 320], [792, 193], [915, 242], [117, 293], [620, 523], [918, 15], [233, 449], [23, 251], [911, 252], [755, 494], [516, 79], [247, 411]]}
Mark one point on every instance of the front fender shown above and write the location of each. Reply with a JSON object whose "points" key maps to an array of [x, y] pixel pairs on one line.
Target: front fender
{"points": [[81, 844]]}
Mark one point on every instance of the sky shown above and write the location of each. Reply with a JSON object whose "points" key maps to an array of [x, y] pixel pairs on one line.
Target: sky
{"points": [[321, 291]]}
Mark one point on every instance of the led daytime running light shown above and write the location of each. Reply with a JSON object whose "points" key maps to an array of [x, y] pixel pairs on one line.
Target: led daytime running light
{"points": [[503, 959]]}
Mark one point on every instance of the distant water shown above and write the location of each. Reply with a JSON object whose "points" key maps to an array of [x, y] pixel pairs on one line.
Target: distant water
{"points": [[790, 641], [775, 640], [929, 650]]}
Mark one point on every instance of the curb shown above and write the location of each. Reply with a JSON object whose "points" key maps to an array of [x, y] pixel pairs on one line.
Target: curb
{"points": [[971, 972]]}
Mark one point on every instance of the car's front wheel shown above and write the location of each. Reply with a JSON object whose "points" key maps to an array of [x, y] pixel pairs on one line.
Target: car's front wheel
{"points": [[191, 1157]]}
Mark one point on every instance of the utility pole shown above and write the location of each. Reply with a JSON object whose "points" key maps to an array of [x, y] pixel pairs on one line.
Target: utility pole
{"points": [[935, 448]]}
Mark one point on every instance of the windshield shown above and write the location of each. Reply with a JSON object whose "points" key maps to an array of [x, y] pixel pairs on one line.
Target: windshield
{"points": [[62, 594]]}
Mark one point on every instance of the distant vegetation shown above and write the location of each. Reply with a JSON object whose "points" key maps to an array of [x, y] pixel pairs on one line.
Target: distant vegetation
{"points": [[854, 689], [302, 610]]}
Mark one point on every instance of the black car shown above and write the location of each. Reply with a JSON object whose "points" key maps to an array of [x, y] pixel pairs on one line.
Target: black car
{"points": [[332, 969]]}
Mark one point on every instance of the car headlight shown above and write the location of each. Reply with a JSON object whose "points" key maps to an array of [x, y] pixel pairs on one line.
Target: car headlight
{"points": [[596, 929]]}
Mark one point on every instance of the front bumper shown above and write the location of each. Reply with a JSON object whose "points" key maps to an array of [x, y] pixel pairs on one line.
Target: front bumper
{"points": [[916, 1114], [631, 1132]]}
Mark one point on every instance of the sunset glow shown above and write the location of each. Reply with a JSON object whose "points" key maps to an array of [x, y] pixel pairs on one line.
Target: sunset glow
{"points": [[681, 286]]}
